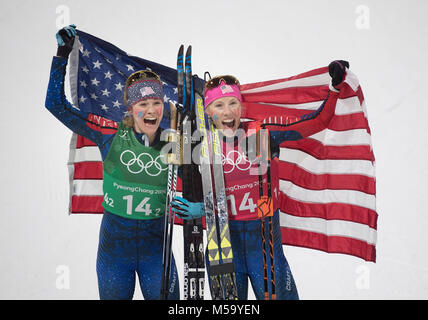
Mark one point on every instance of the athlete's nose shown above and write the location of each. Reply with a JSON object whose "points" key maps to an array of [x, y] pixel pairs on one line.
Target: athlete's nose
{"points": [[227, 112], [151, 109]]}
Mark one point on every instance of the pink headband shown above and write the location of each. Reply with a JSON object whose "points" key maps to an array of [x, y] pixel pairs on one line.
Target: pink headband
{"points": [[223, 90]]}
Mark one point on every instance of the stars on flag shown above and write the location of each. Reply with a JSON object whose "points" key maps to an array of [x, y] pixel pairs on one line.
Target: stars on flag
{"points": [[108, 75], [86, 53], [106, 92], [119, 86], [101, 80], [95, 82], [97, 64]]}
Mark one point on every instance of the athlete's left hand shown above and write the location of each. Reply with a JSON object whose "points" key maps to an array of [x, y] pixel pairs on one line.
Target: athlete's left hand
{"points": [[65, 39], [187, 210], [337, 70]]}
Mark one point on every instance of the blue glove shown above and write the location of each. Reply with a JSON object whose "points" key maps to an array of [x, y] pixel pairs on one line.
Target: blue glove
{"points": [[65, 40], [187, 210]]}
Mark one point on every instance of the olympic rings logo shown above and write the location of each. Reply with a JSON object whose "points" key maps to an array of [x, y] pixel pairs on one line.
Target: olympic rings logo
{"points": [[144, 161], [240, 162]]}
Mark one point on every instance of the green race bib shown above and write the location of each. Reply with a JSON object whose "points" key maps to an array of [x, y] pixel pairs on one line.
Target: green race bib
{"points": [[134, 178]]}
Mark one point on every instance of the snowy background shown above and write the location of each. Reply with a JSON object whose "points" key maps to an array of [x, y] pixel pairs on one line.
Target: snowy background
{"points": [[46, 254]]}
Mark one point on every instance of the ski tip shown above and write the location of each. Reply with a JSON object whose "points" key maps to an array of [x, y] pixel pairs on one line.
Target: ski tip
{"points": [[189, 50], [180, 50]]}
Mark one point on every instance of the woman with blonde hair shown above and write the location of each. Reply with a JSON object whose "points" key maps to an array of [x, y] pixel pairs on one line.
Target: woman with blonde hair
{"points": [[243, 180]]}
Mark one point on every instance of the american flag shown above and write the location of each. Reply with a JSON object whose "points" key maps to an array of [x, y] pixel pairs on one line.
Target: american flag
{"points": [[327, 181]]}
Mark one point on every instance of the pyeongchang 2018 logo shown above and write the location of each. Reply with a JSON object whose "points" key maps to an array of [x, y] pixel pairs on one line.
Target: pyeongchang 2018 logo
{"points": [[235, 160], [143, 162]]}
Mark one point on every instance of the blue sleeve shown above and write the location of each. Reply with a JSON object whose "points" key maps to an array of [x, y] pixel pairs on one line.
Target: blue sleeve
{"points": [[56, 102], [278, 137]]}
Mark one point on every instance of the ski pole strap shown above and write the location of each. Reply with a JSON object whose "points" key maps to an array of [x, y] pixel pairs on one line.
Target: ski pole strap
{"points": [[264, 203]]}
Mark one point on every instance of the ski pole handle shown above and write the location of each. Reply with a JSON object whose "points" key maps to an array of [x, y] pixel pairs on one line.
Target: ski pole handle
{"points": [[174, 136]]}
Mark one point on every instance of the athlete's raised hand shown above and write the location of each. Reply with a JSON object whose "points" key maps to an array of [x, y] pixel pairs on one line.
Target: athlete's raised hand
{"points": [[337, 70], [65, 39]]}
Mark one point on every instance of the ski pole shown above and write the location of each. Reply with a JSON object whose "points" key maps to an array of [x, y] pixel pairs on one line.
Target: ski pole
{"points": [[265, 210]]}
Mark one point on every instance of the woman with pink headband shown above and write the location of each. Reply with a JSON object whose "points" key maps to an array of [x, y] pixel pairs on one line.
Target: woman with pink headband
{"points": [[223, 103]]}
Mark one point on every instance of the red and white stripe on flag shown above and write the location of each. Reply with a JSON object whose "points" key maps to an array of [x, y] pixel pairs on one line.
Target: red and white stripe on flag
{"points": [[327, 181], [85, 169]]}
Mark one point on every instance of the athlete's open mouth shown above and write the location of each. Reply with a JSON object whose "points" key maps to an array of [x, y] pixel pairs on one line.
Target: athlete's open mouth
{"points": [[150, 121], [229, 123]]}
